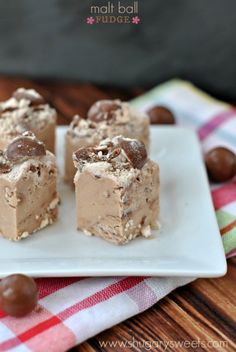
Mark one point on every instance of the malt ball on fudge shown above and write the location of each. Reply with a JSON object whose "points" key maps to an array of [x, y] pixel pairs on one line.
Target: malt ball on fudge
{"points": [[117, 190], [28, 187], [105, 119], [26, 110]]}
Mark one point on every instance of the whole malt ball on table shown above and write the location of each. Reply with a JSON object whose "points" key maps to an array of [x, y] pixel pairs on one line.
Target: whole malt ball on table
{"points": [[161, 115], [221, 164], [18, 295]]}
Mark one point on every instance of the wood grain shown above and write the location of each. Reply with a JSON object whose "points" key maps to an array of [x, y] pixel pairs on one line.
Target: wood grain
{"points": [[204, 310], [68, 98]]}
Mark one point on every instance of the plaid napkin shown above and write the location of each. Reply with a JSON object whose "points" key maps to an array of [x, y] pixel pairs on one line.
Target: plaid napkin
{"points": [[73, 309]]}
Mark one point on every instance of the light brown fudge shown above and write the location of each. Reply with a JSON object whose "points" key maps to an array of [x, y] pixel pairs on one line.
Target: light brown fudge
{"points": [[117, 190], [28, 187], [106, 119], [26, 110]]}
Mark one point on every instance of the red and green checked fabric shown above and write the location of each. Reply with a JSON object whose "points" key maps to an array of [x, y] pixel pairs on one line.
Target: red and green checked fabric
{"points": [[73, 309], [215, 123]]}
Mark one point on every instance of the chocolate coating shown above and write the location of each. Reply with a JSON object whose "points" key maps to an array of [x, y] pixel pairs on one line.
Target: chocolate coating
{"points": [[18, 295], [160, 115], [103, 110], [5, 166], [135, 152], [83, 154], [9, 109], [24, 147], [93, 154], [221, 164]]}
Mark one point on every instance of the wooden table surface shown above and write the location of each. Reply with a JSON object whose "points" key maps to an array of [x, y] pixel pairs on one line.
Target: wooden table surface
{"points": [[198, 317]]}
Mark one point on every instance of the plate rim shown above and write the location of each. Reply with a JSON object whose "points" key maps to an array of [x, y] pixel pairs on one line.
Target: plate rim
{"points": [[216, 271]]}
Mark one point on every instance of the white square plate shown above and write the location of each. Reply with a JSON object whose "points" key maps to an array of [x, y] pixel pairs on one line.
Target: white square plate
{"points": [[188, 243]]}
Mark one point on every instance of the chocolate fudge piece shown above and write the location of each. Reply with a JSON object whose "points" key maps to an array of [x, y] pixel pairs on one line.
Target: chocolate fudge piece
{"points": [[26, 110], [28, 187], [117, 190], [106, 118]]}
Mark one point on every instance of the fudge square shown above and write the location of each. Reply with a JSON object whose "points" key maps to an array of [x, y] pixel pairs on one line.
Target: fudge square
{"points": [[105, 119], [26, 110], [117, 190], [28, 187]]}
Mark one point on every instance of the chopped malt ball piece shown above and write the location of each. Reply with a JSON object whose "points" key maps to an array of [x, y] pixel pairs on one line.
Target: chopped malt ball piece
{"points": [[117, 190], [26, 110], [28, 187], [106, 119]]}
